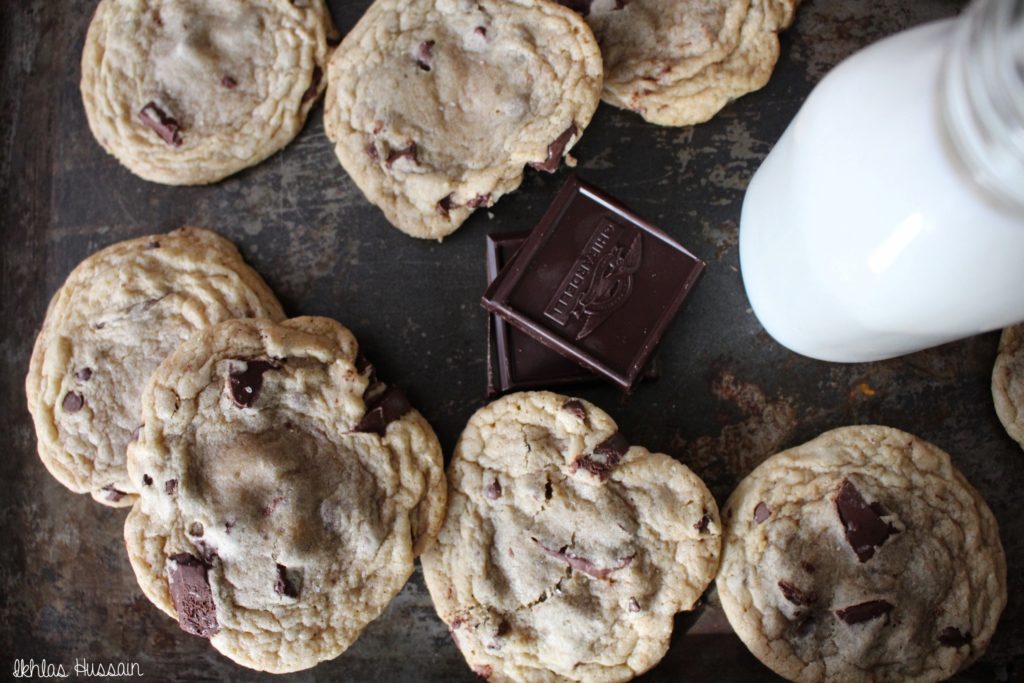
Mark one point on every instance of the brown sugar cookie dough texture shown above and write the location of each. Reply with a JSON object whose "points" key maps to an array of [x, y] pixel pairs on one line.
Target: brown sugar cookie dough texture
{"points": [[435, 106], [1008, 382], [118, 314], [284, 491], [187, 92], [566, 552], [678, 62], [863, 555]]}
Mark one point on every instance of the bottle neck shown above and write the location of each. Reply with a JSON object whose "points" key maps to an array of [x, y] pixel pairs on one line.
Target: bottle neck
{"points": [[983, 98]]}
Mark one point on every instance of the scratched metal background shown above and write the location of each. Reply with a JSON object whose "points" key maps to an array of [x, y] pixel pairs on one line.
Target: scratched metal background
{"points": [[728, 395]]}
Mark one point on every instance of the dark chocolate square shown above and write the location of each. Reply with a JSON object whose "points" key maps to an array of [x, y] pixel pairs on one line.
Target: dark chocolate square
{"points": [[595, 283], [521, 361]]}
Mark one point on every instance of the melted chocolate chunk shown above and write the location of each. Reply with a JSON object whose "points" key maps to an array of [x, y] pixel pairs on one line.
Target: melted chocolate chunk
{"points": [[493, 490], [795, 595], [575, 408], [761, 512], [953, 637], [605, 457], [229, 82], [555, 149], [409, 151], [382, 411], [161, 123], [582, 564], [445, 204], [192, 597], [580, 6], [865, 611], [72, 402], [864, 527], [84, 375], [245, 386], [702, 524], [479, 200], [425, 54], [147, 480], [113, 495], [170, 486], [314, 85], [284, 584]]}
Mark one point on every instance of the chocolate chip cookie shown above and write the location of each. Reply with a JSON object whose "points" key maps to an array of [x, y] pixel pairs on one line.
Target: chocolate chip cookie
{"points": [[863, 555], [435, 107], [114, 319], [1008, 382], [678, 63], [283, 492], [566, 551], [187, 92]]}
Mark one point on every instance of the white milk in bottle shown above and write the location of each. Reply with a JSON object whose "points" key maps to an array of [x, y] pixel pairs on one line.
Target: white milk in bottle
{"points": [[890, 215]]}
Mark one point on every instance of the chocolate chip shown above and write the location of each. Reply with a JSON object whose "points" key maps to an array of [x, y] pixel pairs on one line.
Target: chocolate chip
{"points": [[424, 54], [953, 637], [504, 628], [865, 611], [575, 408], [284, 584], [582, 564], [580, 6], [493, 490], [229, 82], [162, 124], [864, 527], [245, 386], [382, 411], [605, 457], [84, 375], [445, 204], [555, 149], [196, 529], [761, 512], [702, 524], [371, 151], [72, 402], [152, 244], [480, 31], [795, 595], [409, 151], [228, 526], [170, 486], [479, 200], [548, 490], [192, 597], [147, 480], [807, 567], [113, 495], [314, 85]]}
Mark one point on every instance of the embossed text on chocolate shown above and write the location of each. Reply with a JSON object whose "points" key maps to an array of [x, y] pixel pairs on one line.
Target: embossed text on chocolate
{"points": [[599, 281]]}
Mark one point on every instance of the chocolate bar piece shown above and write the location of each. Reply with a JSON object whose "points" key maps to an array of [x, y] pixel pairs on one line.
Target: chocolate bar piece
{"points": [[595, 283], [521, 361]]}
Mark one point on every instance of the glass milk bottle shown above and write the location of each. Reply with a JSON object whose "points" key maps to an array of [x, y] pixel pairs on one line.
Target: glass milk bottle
{"points": [[890, 215]]}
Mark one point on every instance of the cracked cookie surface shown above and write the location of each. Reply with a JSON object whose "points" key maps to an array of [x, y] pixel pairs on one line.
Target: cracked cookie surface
{"points": [[678, 63], [863, 555], [434, 108], [187, 92], [118, 314], [1008, 382], [284, 492], [566, 552]]}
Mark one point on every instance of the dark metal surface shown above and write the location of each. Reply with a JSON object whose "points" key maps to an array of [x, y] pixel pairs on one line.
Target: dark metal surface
{"points": [[727, 396]]}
